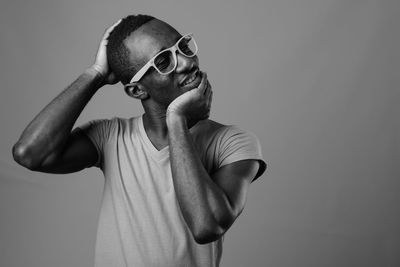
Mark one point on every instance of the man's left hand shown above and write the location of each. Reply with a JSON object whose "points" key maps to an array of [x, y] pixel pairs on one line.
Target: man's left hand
{"points": [[194, 105]]}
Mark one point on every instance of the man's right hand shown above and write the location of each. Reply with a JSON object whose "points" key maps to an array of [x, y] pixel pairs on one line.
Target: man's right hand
{"points": [[101, 63]]}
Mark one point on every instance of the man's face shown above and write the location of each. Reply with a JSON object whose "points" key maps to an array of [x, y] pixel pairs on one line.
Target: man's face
{"points": [[146, 42]]}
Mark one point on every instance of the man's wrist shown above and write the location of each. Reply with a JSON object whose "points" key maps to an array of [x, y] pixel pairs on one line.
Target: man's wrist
{"points": [[96, 75], [98, 69], [92, 70], [175, 120]]}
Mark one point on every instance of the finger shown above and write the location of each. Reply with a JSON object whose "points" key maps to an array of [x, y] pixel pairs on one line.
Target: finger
{"points": [[208, 95], [113, 26], [208, 90], [110, 29], [202, 86], [207, 115], [209, 99]]}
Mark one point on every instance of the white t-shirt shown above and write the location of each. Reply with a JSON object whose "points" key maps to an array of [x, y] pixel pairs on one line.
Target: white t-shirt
{"points": [[140, 223]]}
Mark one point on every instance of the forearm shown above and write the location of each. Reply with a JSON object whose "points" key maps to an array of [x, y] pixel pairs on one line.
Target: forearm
{"points": [[48, 132], [204, 205]]}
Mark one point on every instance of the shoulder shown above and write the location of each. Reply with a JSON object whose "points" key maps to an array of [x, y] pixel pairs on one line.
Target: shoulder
{"points": [[216, 130], [221, 138], [106, 128], [208, 127], [111, 122], [229, 143]]}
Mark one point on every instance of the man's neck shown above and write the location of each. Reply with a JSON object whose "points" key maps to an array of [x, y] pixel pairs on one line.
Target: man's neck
{"points": [[154, 122]]}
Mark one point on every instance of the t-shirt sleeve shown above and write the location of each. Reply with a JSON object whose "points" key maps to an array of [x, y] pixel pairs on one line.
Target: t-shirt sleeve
{"points": [[98, 131], [237, 144]]}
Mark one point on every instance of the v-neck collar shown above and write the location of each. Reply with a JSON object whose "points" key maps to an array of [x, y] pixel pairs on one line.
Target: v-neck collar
{"points": [[157, 154]]}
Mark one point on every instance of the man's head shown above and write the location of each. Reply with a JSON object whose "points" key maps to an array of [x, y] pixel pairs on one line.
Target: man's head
{"points": [[117, 53], [133, 43]]}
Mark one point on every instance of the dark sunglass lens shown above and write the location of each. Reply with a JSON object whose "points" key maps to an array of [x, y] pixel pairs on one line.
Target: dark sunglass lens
{"points": [[164, 62], [187, 46]]}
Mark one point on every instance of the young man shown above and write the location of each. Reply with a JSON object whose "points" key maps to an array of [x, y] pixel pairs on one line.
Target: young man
{"points": [[175, 181]]}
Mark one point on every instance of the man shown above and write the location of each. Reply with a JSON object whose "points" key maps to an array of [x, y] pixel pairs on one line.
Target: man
{"points": [[175, 181]]}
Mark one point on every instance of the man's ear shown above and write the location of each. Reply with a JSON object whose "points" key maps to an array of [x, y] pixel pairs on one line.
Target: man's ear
{"points": [[136, 90]]}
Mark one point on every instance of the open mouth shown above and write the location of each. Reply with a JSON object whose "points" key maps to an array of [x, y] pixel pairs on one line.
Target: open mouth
{"points": [[192, 80]]}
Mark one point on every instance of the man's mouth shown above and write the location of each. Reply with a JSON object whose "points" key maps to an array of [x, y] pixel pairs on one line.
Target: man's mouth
{"points": [[192, 80]]}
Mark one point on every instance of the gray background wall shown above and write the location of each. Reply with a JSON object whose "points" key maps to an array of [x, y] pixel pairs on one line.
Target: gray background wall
{"points": [[316, 80]]}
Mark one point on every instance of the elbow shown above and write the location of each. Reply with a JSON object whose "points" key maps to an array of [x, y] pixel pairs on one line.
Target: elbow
{"points": [[208, 234], [24, 157], [213, 229], [206, 238]]}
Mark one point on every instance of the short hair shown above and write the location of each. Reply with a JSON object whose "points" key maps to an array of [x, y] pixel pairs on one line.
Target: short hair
{"points": [[117, 52]]}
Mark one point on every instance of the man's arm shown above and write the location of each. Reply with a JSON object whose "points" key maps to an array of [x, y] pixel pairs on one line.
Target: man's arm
{"points": [[47, 143], [209, 204]]}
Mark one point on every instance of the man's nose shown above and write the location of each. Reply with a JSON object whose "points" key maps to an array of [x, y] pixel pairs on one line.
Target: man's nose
{"points": [[185, 63]]}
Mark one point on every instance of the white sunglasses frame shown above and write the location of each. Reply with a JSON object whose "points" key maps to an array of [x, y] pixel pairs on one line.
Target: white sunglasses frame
{"points": [[173, 50]]}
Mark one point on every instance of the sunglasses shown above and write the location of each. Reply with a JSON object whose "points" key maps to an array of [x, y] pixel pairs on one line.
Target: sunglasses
{"points": [[165, 61]]}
